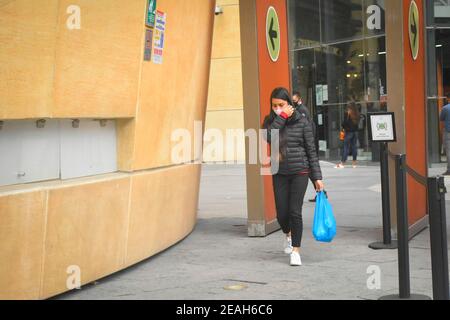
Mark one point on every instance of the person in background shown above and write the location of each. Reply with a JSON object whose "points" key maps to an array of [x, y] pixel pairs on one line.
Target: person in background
{"points": [[361, 128], [297, 161], [350, 126], [445, 118], [298, 104]]}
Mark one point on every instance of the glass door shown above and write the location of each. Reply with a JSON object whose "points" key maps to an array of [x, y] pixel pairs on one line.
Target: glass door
{"points": [[438, 52]]}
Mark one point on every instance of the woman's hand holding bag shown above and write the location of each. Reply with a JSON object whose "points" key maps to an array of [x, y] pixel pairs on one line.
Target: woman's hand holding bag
{"points": [[324, 225]]}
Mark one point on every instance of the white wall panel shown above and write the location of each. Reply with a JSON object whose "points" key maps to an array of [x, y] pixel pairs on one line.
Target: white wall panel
{"points": [[89, 149], [28, 153]]}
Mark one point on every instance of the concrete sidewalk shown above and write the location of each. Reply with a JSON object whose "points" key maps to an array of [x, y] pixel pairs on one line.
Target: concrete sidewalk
{"points": [[218, 256]]}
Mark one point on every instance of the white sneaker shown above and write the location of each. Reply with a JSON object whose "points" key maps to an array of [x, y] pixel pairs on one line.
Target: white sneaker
{"points": [[287, 245], [295, 259]]}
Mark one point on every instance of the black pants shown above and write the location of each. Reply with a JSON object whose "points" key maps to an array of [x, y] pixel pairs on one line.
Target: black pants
{"points": [[289, 191]]}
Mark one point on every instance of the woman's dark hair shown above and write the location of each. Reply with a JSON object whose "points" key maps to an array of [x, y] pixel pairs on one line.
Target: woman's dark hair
{"points": [[283, 94], [277, 93], [296, 93]]}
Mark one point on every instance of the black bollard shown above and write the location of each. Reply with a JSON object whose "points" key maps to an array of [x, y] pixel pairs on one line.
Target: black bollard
{"points": [[386, 209], [438, 238], [403, 235]]}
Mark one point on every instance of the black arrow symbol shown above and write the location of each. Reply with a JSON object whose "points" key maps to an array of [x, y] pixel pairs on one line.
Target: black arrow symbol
{"points": [[414, 29], [273, 34]]}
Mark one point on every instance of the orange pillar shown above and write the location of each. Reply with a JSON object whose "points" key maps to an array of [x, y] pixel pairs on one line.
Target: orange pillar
{"points": [[407, 98], [261, 74]]}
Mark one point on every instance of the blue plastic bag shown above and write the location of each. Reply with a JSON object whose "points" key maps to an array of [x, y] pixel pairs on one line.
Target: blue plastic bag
{"points": [[324, 225]]}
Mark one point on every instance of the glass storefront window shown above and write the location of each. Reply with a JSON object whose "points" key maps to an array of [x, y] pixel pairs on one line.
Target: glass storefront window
{"points": [[340, 68], [341, 19], [338, 56], [374, 13], [375, 69], [442, 11], [304, 18], [439, 87], [329, 125], [303, 74], [443, 61]]}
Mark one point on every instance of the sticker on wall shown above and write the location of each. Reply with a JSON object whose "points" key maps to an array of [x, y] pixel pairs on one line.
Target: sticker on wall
{"points": [[148, 45], [158, 37], [414, 28], [273, 34], [150, 16]]}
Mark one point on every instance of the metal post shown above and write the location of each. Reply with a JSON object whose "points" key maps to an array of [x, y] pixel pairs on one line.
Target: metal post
{"points": [[402, 234], [402, 230], [438, 238], [386, 209]]}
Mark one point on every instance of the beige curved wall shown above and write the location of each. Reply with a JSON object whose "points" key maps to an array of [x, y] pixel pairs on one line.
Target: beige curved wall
{"points": [[225, 99], [103, 223]]}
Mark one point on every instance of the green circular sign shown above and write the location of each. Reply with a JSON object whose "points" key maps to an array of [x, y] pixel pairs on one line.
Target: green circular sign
{"points": [[414, 29], [273, 34]]}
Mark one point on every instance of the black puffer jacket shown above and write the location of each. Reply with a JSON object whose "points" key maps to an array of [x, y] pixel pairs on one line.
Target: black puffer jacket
{"points": [[297, 146]]}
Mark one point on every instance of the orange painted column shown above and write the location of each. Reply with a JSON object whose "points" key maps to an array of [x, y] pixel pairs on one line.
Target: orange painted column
{"points": [[415, 114], [263, 69], [271, 75]]}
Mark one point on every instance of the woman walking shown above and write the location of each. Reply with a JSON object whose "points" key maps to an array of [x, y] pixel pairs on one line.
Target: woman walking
{"points": [[297, 161], [350, 126]]}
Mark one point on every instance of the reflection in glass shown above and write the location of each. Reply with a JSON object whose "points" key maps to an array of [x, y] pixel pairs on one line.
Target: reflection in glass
{"points": [[374, 13], [304, 24], [303, 74], [341, 68], [443, 61], [441, 12], [375, 69], [338, 55], [332, 117], [341, 19], [440, 77]]}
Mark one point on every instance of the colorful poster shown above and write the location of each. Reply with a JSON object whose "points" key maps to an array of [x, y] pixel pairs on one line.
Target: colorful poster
{"points": [[158, 37], [148, 45], [150, 16]]}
